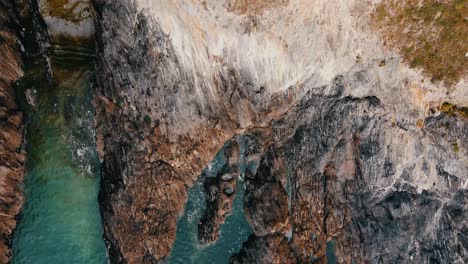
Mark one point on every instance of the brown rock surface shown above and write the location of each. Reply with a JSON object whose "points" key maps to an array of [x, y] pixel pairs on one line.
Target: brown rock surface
{"points": [[11, 133], [155, 143], [340, 164]]}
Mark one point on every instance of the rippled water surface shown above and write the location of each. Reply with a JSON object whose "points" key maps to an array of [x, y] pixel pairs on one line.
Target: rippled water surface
{"points": [[233, 232], [60, 220]]}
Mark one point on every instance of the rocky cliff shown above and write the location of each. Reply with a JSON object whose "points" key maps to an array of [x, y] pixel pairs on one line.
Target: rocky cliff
{"points": [[11, 129], [364, 188], [361, 158]]}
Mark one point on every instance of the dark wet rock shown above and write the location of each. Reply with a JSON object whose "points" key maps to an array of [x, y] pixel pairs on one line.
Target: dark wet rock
{"points": [[219, 194], [31, 96], [213, 216], [231, 153], [265, 200], [338, 166]]}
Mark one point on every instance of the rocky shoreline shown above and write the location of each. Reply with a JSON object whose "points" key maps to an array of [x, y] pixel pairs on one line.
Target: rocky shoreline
{"points": [[353, 161], [338, 165], [132, 131]]}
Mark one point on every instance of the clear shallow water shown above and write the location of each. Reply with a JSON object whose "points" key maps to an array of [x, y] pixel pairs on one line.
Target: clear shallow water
{"points": [[60, 220], [233, 232]]}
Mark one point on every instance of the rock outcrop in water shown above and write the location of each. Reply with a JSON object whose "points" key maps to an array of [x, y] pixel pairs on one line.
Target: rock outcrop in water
{"points": [[219, 194], [360, 161], [11, 130]]}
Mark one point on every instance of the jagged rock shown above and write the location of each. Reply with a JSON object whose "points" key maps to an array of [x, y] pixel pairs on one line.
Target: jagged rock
{"points": [[347, 159], [263, 250], [11, 131], [339, 155], [219, 194], [344, 161], [266, 201]]}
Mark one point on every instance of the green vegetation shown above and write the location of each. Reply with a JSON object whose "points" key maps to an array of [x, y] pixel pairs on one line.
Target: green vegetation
{"points": [[430, 34], [147, 119], [453, 110]]}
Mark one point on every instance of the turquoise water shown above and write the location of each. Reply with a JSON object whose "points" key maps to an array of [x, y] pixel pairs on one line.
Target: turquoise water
{"points": [[60, 220], [330, 252], [233, 232]]}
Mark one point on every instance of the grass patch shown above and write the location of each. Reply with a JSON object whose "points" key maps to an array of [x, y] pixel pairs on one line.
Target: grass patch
{"points": [[453, 110], [429, 34], [420, 123]]}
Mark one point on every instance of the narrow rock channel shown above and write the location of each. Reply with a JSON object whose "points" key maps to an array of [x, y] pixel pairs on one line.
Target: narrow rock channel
{"points": [[60, 220]]}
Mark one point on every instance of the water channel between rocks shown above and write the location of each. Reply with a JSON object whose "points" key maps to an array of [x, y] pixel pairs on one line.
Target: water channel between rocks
{"points": [[60, 220], [233, 232]]}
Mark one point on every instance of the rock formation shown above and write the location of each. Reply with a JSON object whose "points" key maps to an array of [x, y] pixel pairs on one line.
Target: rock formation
{"points": [[359, 161], [219, 193], [11, 130], [356, 141], [358, 182]]}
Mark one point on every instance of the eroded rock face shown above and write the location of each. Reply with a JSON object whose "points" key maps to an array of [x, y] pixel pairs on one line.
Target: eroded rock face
{"points": [[356, 161], [266, 200], [157, 128], [148, 160], [356, 181], [11, 131], [268, 249]]}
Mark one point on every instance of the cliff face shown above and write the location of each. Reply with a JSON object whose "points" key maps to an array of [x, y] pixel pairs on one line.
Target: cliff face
{"points": [[11, 131], [360, 160], [156, 129], [379, 191]]}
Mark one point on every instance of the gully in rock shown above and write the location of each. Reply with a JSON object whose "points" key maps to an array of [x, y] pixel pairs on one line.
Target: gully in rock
{"points": [[60, 220]]}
